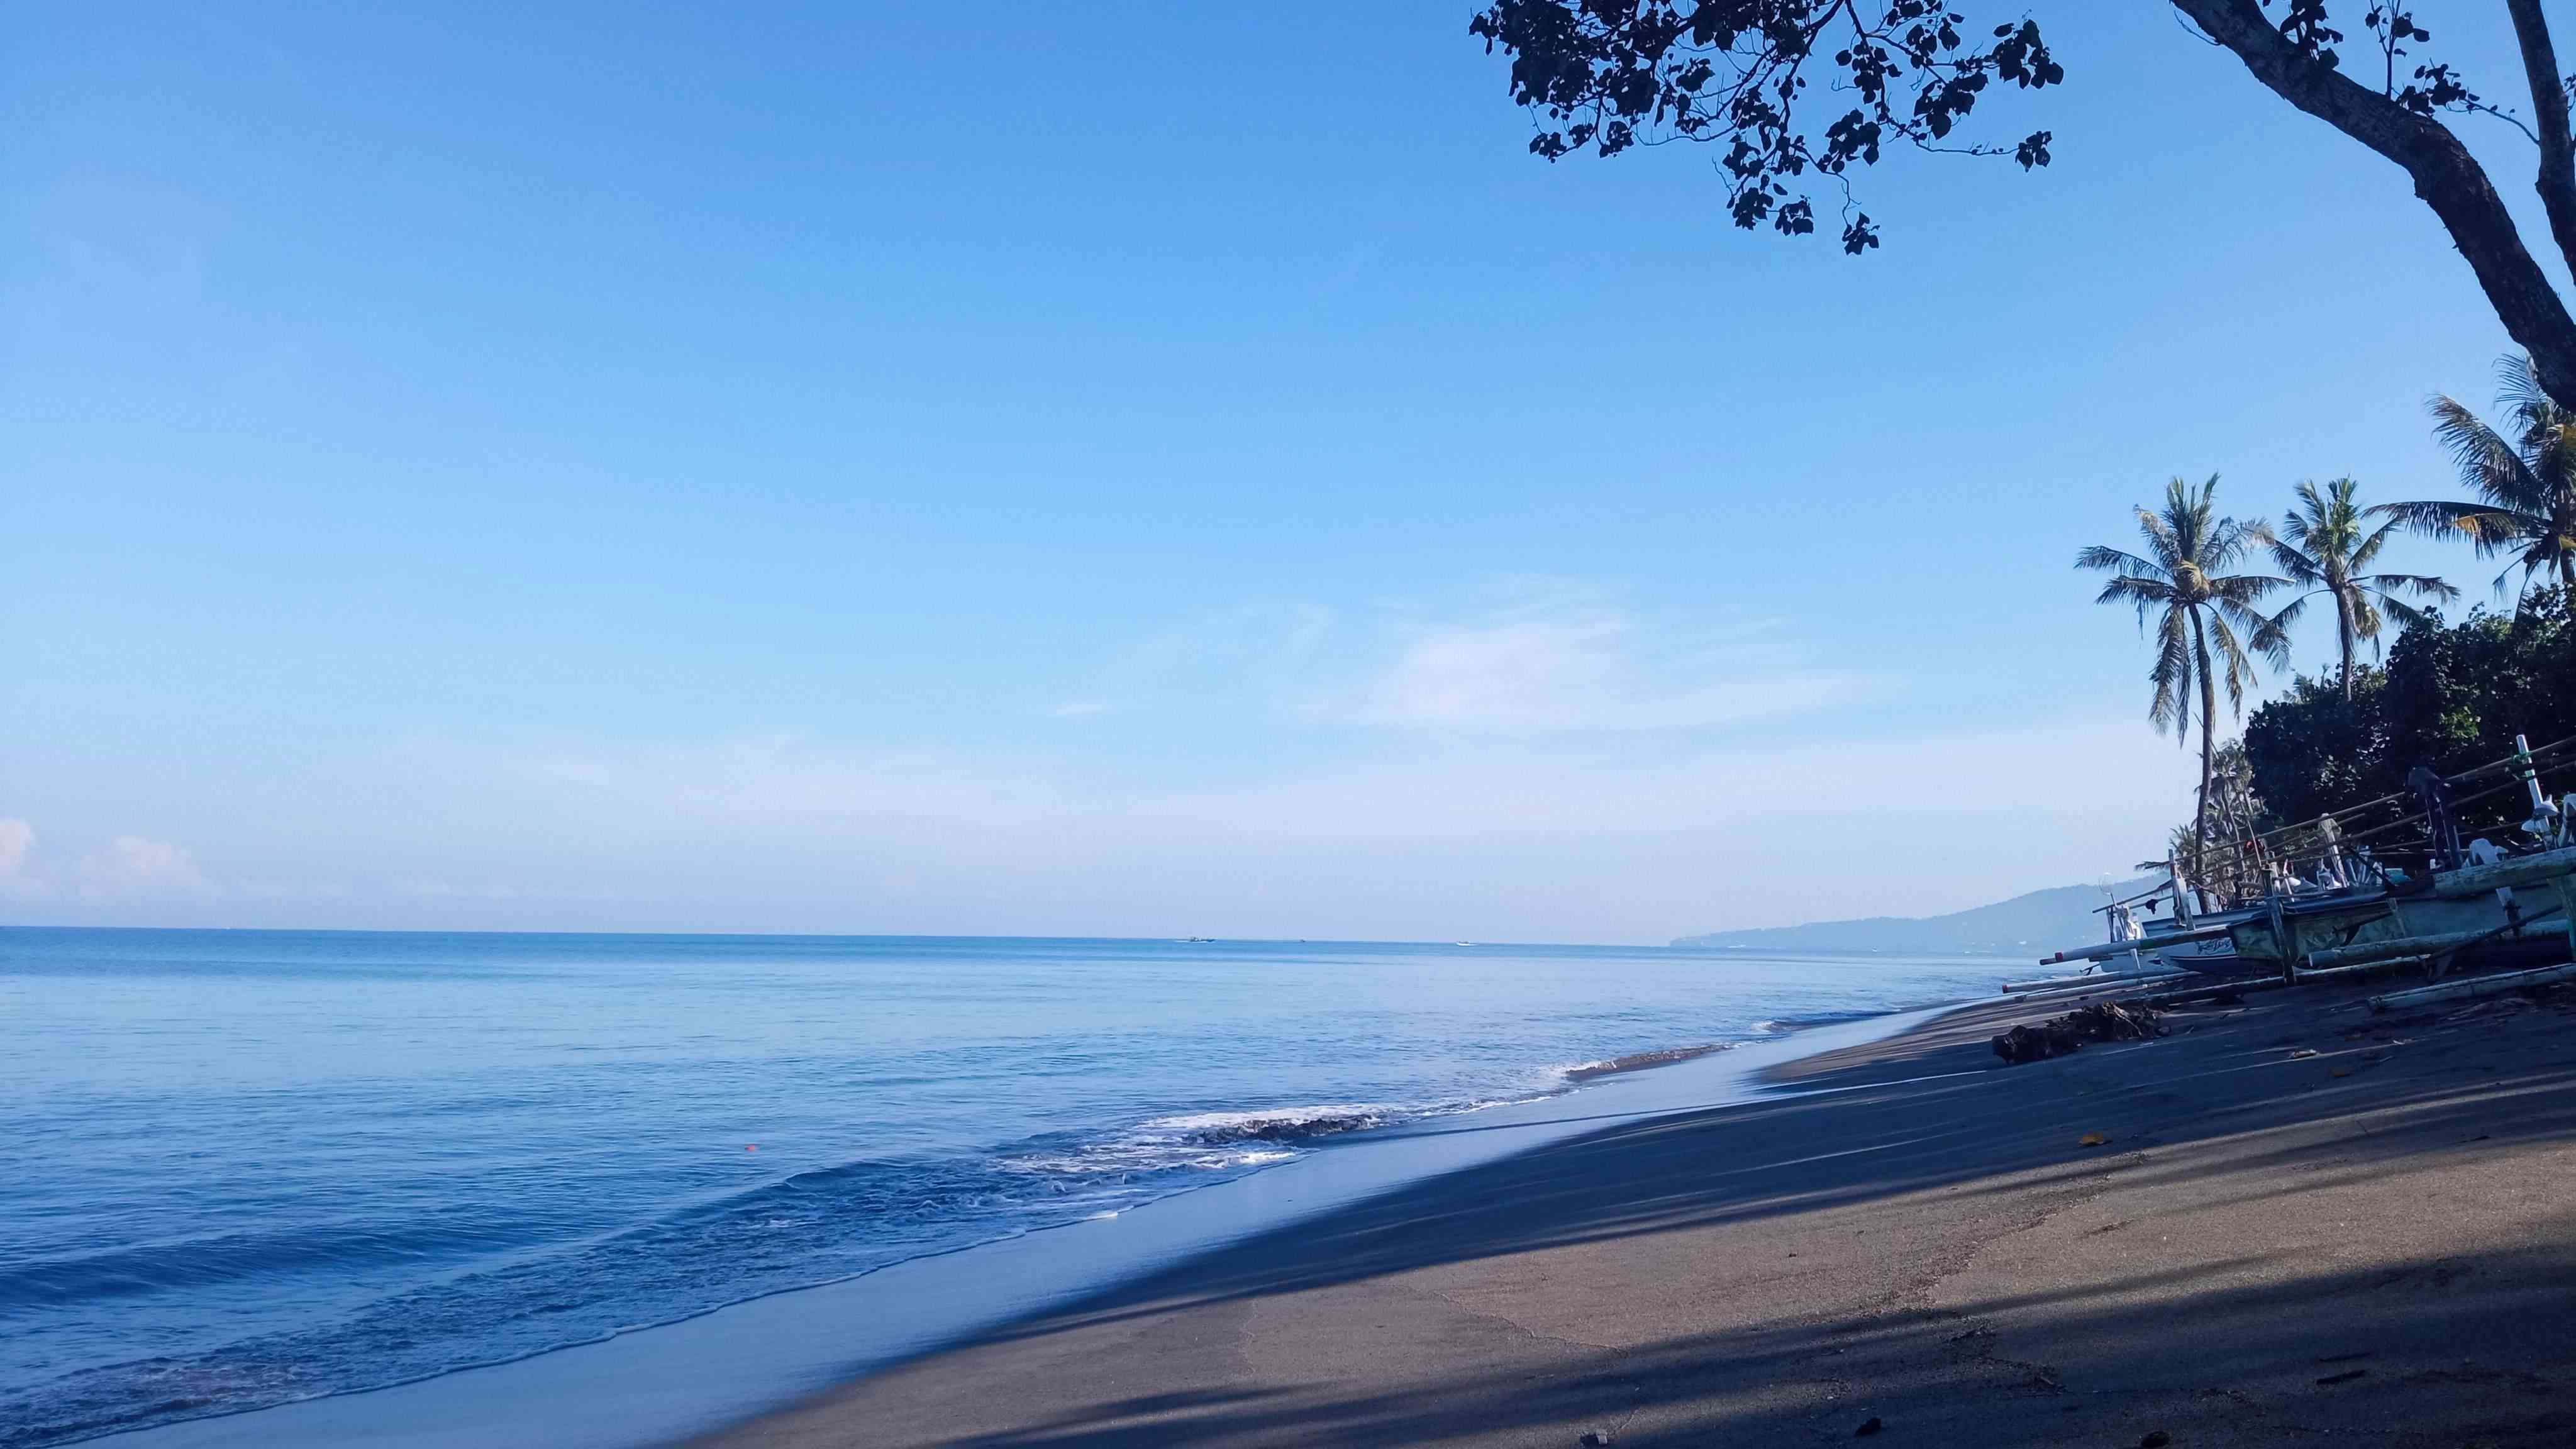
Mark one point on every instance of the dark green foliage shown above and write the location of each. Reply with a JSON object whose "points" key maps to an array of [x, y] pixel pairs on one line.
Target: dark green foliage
{"points": [[1606, 75], [1750, 77], [2452, 696], [2314, 750]]}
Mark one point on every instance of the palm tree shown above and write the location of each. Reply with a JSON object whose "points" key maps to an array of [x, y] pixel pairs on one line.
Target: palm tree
{"points": [[2323, 547], [2189, 550], [2526, 489]]}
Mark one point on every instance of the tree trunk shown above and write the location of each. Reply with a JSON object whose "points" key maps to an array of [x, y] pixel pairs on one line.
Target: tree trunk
{"points": [[2446, 176], [2343, 637], [2557, 180], [2208, 748]]}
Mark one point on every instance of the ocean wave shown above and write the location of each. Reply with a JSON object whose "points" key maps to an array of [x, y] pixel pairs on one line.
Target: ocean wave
{"points": [[1291, 1124], [1194, 1143], [304, 1250], [1784, 1025], [1639, 1061]]}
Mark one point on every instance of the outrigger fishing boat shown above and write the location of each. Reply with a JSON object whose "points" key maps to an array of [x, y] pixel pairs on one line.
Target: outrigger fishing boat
{"points": [[2352, 892]]}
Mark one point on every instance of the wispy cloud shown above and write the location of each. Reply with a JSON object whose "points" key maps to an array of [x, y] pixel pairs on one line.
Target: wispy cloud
{"points": [[131, 867], [1815, 792], [17, 843], [1248, 655], [1575, 666], [126, 869], [1522, 656], [784, 781]]}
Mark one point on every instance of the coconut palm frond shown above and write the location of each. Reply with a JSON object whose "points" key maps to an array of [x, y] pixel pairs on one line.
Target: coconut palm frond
{"points": [[2495, 529], [2548, 456], [2526, 490], [2489, 466], [2487, 527], [2407, 615], [2366, 552], [2518, 389], [2272, 637], [2262, 632], [2523, 564], [2292, 560], [2240, 669], [2173, 678], [2542, 554], [2422, 586], [2163, 536], [2222, 540], [2244, 589], [2292, 612], [2112, 560], [2146, 593]]}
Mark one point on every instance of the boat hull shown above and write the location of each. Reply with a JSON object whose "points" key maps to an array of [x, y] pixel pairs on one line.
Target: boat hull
{"points": [[2216, 957], [2357, 925]]}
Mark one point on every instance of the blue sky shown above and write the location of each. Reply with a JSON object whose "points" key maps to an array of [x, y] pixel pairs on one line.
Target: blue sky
{"points": [[1122, 469]]}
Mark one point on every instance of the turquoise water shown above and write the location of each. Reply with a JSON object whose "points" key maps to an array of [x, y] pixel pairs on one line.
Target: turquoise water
{"points": [[242, 1168]]}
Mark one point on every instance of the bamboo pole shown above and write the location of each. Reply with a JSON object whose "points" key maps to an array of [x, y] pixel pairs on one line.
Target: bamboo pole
{"points": [[2109, 949], [2105, 978], [2474, 986], [2372, 951], [2522, 870], [2333, 974], [2236, 987]]}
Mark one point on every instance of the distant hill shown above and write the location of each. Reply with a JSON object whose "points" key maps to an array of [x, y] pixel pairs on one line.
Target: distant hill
{"points": [[2041, 921]]}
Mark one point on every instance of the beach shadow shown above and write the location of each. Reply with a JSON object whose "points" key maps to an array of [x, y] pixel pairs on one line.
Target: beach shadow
{"points": [[2240, 1340], [2002, 1132], [2286, 1361]]}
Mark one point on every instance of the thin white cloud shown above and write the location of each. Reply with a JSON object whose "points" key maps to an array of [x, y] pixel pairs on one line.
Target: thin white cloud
{"points": [[17, 844], [1252, 655], [1585, 669], [1523, 656], [1979, 783], [784, 782], [1568, 835], [131, 867]]}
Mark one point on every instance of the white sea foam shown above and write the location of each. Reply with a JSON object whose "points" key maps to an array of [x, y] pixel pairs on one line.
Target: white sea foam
{"points": [[1230, 1141], [1582, 1072]]}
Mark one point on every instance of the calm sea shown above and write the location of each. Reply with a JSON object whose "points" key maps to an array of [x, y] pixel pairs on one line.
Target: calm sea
{"points": [[240, 1167]]}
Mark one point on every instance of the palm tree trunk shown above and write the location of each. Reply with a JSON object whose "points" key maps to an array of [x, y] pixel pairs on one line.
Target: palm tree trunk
{"points": [[2343, 637], [2567, 576], [2208, 748]]}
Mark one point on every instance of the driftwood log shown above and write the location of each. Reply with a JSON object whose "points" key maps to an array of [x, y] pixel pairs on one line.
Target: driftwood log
{"points": [[2106, 1021]]}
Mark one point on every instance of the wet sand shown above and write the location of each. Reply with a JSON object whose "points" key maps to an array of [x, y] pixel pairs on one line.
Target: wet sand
{"points": [[2374, 1244]]}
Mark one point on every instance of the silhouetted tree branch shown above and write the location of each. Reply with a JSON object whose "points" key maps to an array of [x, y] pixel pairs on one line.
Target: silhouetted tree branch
{"points": [[2557, 183], [1605, 75]]}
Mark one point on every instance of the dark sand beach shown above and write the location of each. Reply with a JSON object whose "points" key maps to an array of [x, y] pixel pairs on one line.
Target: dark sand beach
{"points": [[2372, 1244]]}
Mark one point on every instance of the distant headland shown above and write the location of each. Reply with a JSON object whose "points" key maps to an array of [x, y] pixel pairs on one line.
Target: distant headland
{"points": [[2005, 928]]}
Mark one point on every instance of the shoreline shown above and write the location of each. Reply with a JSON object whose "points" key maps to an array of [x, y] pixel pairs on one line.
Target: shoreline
{"points": [[1898, 1229], [735, 1362]]}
